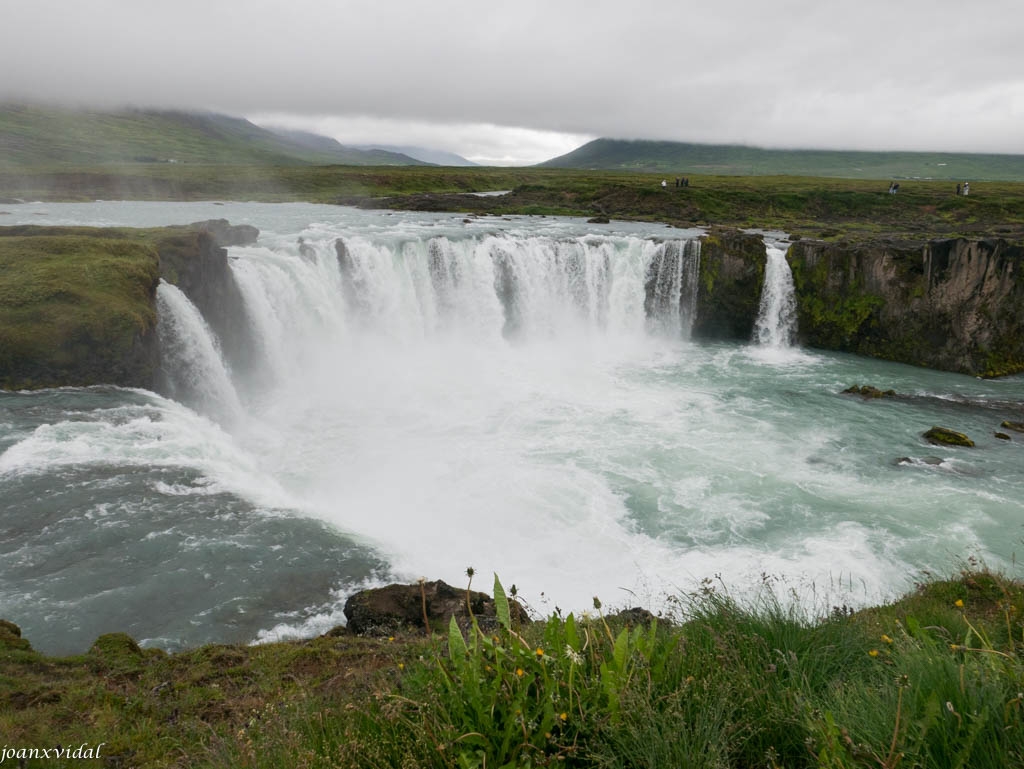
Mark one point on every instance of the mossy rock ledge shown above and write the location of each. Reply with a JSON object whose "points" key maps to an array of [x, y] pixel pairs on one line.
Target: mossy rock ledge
{"points": [[78, 304], [868, 391], [385, 610], [943, 436]]}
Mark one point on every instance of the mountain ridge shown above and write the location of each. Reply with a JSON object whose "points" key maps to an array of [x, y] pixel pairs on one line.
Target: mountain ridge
{"points": [[51, 136], [682, 158]]}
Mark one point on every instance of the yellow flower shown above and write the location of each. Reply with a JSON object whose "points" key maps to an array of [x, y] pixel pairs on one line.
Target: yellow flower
{"points": [[959, 603], [401, 666], [886, 638], [873, 653], [564, 716], [519, 672], [540, 652]]}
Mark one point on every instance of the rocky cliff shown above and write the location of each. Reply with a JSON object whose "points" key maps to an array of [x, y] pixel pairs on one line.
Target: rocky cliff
{"points": [[955, 304], [731, 277], [194, 258], [78, 304]]}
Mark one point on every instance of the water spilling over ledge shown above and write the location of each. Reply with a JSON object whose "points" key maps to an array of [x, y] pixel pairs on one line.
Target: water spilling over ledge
{"points": [[417, 395]]}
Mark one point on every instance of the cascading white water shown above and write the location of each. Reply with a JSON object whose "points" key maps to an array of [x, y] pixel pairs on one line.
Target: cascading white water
{"points": [[192, 364], [443, 393], [671, 289], [776, 318], [485, 288]]}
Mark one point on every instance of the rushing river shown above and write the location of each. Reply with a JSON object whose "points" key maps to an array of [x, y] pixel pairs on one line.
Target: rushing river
{"points": [[498, 393]]}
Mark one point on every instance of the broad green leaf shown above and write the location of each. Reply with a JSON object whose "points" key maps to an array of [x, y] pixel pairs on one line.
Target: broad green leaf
{"points": [[456, 644], [571, 636], [621, 650], [501, 605]]}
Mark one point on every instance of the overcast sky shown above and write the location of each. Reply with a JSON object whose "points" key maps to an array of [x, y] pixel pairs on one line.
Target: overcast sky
{"points": [[519, 82]]}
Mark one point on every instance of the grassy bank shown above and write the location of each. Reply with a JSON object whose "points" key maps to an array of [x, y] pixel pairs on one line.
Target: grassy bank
{"points": [[931, 680], [815, 207], [75, 305]]}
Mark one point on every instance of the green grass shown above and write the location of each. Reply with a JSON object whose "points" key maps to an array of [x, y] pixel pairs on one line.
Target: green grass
{"points": [[72, 302], [807, 206], [930, 680], [681, 159], [32, 135]]}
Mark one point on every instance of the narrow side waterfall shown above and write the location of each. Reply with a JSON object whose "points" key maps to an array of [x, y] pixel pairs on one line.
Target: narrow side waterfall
{"points": [[192, 365], [776, 318]]}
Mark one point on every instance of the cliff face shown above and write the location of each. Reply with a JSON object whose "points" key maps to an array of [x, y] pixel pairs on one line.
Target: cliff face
{"points": [[76, 308], [194, 259], [78, 304], [956, 305], [731, 277]]}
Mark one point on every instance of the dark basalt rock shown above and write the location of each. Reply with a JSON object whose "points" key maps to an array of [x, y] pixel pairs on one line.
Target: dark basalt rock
{"points": [[730, 281], [633, 617], [954, 304], [226, 234], [867, 391], [1016, 426], [382, 611], [943, 436], [1002, 436]]}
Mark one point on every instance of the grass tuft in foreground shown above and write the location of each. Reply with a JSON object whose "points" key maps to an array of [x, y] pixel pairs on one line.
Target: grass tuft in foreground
{"points": [[934, 679]]}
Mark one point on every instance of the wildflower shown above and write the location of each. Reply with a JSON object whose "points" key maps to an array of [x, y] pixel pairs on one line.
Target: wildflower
{"points": [[873, 653], [564, 716], [959, 603], [401, 666], [886, 638], [539, 652], [574, 657], [391, 638], [519, 672]]}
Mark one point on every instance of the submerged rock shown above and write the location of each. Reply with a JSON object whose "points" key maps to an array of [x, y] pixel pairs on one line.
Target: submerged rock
{"points": [[1016, 426], [1002, 436], [867, 391], [598, 220], [387, 609], [943, 436]]}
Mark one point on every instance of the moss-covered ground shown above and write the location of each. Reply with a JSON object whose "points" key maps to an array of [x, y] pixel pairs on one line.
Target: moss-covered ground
{"points": [[71, 302], [933, 679]]}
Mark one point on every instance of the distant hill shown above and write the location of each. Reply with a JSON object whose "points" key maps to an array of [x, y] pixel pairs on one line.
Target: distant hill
{"points": [[35, 135], [426, 154], [681, 159], [381, 156]]}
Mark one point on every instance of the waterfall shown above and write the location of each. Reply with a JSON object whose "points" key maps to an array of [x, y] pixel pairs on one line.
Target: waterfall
{"points": [[335, 299], [192, 366], [671, 288], [493, 288], [776, 317]]}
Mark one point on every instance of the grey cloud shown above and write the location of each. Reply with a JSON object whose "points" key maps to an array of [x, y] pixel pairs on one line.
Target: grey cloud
{"points": [[871, 74]]}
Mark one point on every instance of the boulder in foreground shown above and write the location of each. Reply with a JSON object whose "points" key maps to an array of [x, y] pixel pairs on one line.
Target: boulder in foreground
{"points": [[396, 607]]}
